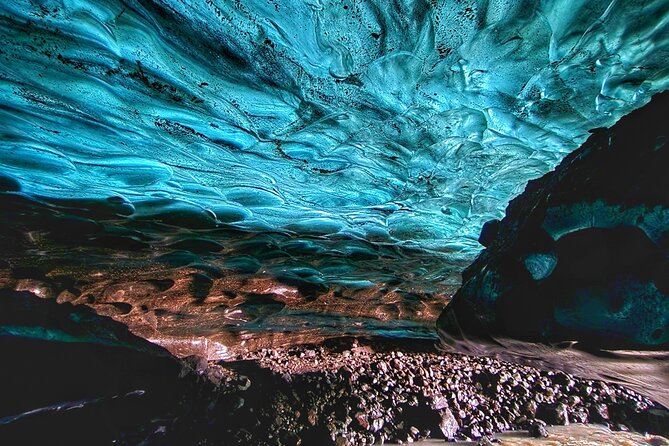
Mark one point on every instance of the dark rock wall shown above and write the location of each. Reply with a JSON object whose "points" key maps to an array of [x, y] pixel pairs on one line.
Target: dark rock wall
{"points": [[69, 376], [582, 253]]}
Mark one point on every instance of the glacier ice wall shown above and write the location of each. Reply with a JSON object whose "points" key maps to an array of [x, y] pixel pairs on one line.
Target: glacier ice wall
{"points": [[408, 122]]}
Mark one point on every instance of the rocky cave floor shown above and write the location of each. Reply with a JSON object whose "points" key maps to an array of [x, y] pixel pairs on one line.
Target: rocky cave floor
{"points": [[355, 392], [73, 377]]}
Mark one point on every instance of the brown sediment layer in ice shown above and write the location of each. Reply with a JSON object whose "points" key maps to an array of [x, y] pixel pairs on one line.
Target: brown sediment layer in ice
{"points": [[191, 311]]}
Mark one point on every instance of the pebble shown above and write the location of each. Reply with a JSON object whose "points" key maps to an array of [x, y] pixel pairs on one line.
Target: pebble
{"points": [[538, 431], [408, 396]]}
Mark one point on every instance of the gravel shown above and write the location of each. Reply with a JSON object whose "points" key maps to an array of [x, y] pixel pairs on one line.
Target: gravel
{"points": [[357, 392]]}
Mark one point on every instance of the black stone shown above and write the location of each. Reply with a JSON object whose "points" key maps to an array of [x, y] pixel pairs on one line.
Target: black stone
{"points": [[537, 430]]}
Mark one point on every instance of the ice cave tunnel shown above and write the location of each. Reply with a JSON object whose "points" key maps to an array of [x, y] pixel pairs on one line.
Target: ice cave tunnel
{"points": [[224, 176]]}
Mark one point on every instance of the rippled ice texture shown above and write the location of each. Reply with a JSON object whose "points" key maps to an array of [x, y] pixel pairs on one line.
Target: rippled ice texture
{"points": [[398, 121]]}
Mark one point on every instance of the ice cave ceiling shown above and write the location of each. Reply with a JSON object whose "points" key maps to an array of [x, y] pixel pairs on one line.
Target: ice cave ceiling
{"points": [[332, 134], [411, 122]]}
